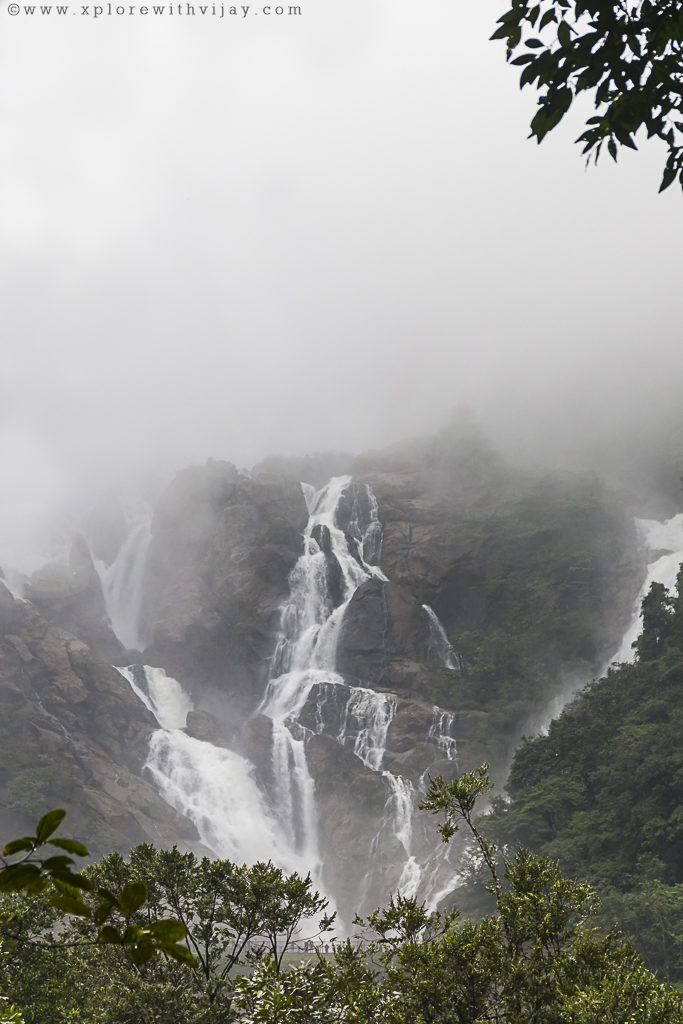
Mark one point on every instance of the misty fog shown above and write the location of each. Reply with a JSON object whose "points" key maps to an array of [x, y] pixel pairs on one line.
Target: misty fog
{"points": [[296, 234]]}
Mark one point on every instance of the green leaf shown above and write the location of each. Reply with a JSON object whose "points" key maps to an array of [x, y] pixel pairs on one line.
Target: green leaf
{"points": [[19, 876], [61, 861], [108, 895], [48, 824], [612, 147], [27, 843], [70, 845], [547, 18], [533, 43], [70, 905], [524, 59], [563, 34], [177, 952], [71, 878], [527, 76], [102, 912], [109, 934], [142, 952], [168, 931], [132, 897]]}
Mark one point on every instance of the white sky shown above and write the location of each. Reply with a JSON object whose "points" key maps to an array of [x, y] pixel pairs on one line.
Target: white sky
{"points": [[242, 236]]}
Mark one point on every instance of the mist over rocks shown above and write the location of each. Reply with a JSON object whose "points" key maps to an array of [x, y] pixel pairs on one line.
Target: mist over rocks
{"points": [[70, 596], [529, 577], [223, 544]]}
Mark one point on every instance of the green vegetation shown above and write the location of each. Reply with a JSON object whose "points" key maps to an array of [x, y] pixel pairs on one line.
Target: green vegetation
{"points": [[603, 791], [627, 55], [539, 576], [536, 958]]}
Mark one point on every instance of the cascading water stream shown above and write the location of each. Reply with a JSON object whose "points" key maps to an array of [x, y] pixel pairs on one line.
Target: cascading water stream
{"points": [[440, 648], [321, 584], [335, 562], [217, 788], [212, 786], [664, 543], [665, 540], [122, 584]]}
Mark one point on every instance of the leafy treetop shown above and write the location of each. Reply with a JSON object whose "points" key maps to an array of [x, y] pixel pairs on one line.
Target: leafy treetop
{"points": [[626, 53]]}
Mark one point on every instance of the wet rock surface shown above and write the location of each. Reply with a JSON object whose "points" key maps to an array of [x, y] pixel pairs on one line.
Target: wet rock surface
{"points": [[74, 735]]}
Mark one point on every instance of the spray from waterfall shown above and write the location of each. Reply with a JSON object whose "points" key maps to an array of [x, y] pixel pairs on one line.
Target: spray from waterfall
{"points": [[217, 788]]}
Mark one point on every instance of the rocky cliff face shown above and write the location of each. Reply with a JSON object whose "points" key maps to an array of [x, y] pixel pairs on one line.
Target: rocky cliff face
{"points": [[73, 735], [243, 583]]}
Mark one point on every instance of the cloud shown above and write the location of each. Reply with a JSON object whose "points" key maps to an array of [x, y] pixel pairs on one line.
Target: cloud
{"points": [[323, 232]]}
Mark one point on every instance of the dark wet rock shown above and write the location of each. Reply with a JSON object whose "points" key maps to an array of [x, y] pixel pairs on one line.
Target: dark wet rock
{"points": [[383, 624], [321, 535], [75, 736], [350, 799]]}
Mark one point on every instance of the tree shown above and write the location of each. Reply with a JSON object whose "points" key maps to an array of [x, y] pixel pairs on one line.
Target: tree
{"points": [[23, 869], [657, 611], [229, 918], [628, 54], [536, 960], [232, 914]]}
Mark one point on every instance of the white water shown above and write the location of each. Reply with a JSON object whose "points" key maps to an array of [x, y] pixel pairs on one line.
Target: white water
{"points": [[441, 733], [212, 786], [122, 583], [217, 788], [440, 646], [305, 651], [366, 722], [359, 718], [665, 541]]}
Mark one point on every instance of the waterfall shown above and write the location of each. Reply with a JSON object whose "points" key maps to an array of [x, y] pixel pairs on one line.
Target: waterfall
{"points": [[212, 786], [440, 649], [321, 585], [334, 563], [665, 541], [367, 717], [441, 733], [217, 788], [122, 583]]}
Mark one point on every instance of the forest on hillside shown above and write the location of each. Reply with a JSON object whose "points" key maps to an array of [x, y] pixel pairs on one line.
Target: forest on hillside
{"points": [[602, 792]]}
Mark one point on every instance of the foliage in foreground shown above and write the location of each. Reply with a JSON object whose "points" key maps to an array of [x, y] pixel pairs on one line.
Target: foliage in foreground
{"points": [[536, 959], [627, 55]]}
